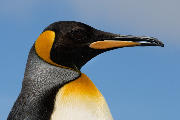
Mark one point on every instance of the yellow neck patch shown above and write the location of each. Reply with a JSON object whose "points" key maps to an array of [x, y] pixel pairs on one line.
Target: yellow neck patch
{"points": [[80, 100], [82, 87]]}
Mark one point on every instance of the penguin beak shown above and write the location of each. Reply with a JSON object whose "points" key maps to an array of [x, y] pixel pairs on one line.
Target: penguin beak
{"points": [[125, 41]]}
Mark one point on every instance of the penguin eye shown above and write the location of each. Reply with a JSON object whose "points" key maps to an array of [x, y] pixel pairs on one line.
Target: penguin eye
{"points": [[78, 35], [76, 31]]}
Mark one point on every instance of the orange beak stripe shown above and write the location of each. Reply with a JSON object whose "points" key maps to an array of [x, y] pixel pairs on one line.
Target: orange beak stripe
{"points": [[112, 44]]}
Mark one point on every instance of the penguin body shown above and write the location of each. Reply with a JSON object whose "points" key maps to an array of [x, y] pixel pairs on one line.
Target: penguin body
{"points": [[53, 87]]}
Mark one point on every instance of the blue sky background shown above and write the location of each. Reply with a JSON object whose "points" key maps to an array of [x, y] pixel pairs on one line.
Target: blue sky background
{"points": [[140, 83]]}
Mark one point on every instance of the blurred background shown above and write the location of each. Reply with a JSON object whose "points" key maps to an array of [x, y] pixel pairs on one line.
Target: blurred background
{"points": [[139, 83]]}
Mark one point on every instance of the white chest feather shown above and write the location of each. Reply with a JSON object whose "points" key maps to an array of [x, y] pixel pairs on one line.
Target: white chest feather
{"points": [[80, 100]]}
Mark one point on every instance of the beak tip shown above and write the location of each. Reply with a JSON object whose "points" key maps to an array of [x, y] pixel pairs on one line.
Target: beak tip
{"points": [[162, 45], [156, 42]]}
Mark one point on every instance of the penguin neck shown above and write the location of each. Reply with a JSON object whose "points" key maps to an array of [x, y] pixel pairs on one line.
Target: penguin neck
{"points": [[47, 75], [40, 85]]}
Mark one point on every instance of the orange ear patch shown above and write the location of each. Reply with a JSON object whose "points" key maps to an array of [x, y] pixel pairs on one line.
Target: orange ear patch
{"points": [[112, 44], [44, 44], [43, 47]]}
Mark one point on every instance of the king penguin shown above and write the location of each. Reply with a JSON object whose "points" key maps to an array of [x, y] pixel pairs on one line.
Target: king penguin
{"points": [[54, 87]]}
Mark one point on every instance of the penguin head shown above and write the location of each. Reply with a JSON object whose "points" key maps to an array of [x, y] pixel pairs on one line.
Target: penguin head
{"points": [[72, 44]]}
